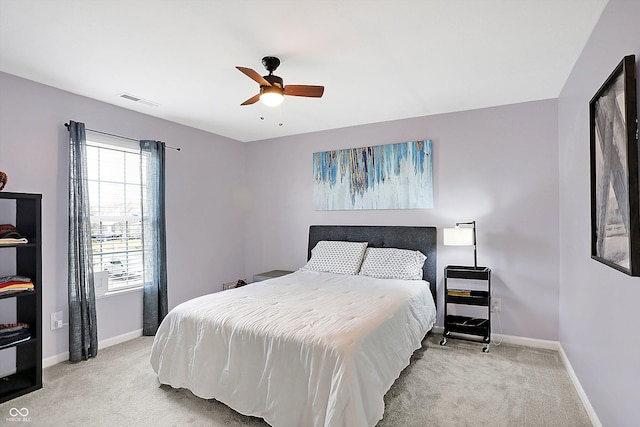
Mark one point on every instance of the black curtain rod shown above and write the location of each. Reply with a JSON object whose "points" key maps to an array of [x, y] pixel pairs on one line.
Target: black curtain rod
{"points": [[119, 136]]}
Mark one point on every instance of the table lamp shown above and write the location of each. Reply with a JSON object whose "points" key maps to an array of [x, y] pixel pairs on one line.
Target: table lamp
{"points": [[463, 237]]}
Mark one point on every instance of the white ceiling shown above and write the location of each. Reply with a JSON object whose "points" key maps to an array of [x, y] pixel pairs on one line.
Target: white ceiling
{"points": [[379, 60]]}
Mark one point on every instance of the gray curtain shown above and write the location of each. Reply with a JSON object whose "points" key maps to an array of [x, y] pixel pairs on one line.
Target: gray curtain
{"points": [[155, 303], [83, 335]]}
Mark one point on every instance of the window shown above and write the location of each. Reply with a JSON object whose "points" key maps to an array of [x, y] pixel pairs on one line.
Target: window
{"points": [[115, 191]]}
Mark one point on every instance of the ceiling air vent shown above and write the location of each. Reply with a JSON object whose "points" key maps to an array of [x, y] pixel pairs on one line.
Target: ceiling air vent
{"points": [[129, 97], [133, 98]]}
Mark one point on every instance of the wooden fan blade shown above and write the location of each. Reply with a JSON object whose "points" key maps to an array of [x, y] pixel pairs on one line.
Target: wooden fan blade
{"points": [[252, 100], [304, 90], [252, 74]]}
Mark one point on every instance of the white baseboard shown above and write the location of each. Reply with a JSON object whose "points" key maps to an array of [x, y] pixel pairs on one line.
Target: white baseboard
{"points": [[119, 339], [546, 345], [497, 339], [581, 393], [527, 342], [63, 357], [54, 360]]}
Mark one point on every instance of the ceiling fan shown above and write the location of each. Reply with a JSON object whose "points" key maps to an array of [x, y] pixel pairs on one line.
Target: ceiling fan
{"points": [[272, 89]]}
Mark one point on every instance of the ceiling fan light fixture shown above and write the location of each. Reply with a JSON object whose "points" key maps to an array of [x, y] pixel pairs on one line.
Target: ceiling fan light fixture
{"points": [[272, 88], [271, 96]]}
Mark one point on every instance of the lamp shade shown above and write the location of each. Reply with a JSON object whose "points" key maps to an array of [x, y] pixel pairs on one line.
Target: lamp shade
{"points": [[458, 236]]}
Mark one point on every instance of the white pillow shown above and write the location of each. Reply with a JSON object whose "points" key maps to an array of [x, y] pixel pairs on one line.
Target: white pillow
{"points": [[336, 257], [393, 263]]}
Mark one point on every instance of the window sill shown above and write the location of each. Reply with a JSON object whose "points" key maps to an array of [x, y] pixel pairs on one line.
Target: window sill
{"points": [[120, 292]]}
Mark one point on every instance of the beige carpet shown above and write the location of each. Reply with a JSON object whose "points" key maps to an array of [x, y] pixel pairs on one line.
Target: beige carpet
{"points": [[456, 385]]}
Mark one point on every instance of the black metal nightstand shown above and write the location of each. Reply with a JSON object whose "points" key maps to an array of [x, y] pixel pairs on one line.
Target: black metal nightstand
{"points": [[479, 326]]}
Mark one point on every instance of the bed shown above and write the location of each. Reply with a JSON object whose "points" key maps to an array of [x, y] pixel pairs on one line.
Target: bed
{"points": [[309, 348]]}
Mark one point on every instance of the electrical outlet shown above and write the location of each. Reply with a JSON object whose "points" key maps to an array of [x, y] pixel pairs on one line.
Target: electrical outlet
{"points": [[496, 305], [100, 283], [56, 320]]}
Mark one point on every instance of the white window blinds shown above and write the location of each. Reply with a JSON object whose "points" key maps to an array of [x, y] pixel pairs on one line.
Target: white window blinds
{"points": [[113, 169]]}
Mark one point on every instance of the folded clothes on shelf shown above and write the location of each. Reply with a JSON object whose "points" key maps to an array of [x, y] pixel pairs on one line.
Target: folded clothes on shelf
{"points": [[14, 278], [9, 235], [17, 338], [14, 284], [14, 241], [11, 327], [15, 290], [13, 333]]}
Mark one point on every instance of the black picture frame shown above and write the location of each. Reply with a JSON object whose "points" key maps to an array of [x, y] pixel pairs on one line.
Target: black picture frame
{"points": [[615, 216]]}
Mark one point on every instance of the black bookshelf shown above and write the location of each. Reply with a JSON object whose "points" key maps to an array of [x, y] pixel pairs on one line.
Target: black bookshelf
{"points": [[28, 262]]}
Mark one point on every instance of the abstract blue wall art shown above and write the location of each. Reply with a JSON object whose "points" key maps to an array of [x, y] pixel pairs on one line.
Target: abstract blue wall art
{"points": [[391, 176]]}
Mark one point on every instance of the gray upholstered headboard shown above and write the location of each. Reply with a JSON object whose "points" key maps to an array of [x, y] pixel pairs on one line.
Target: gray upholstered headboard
{"points": [[423, 239]]}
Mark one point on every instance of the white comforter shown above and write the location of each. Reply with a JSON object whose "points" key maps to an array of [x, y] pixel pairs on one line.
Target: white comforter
{"points": [[306, 349]]}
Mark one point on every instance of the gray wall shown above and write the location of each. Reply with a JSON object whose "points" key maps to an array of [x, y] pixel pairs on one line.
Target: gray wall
{"points": [[598, 305], [205, 223], [498, 166]]}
